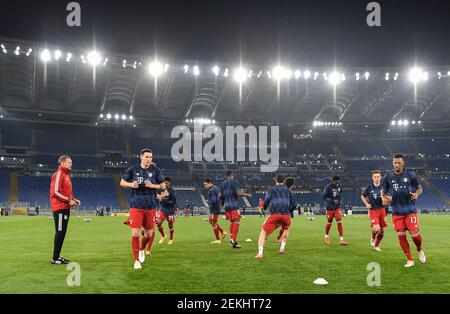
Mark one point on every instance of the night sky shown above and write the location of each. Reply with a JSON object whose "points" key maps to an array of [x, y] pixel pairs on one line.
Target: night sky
{"points": [[302, 33]]}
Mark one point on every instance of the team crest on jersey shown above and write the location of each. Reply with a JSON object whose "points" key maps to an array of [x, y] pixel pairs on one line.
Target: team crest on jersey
{"points": [[405, 179]]}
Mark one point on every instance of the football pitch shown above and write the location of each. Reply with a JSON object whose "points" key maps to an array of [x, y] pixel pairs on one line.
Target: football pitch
{"points": [[192, 265]]}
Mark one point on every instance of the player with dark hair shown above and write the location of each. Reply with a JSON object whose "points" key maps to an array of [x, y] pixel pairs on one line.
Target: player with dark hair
{"points": [[280, 200], [401, 189], [187, 209], [229, 194], [371, 197], [169, 207], [214, 210], [289, 182], [144, 179], [332, 196], [61, 200]]}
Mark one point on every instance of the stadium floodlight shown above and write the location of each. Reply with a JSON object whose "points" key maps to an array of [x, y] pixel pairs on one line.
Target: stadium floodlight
{"points": [[250, 74], [396, 76], [196, 70], [315, 124], [166, 67], [405, 122], [269, 74], [226, 73], [94, 58], [325, 76], [45, 55], [155, 68], [367, 75], [17, 51], [108, 116], [393, 123], [57, 54], [316, 75], [307, 74], [106, 61], [213, 121], [335, 78], [186, 68], [131, 118], [101, 116], [3, 48], [29, 52], [400, 122], [425, 76], [278, 73], [413, 122], [124, 63], [116, 116], [297, 74], [240, 75], [416, 75], [68, 57], [216, 70], [357, 76]]}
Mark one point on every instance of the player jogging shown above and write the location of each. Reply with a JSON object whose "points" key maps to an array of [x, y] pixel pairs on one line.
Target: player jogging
{"points": [[169, 207], [289, 182], [187, 210], [400, 189], [229, 193], [332, 196], [144, 179], [281, 201], [214, 210], [371, 197]]}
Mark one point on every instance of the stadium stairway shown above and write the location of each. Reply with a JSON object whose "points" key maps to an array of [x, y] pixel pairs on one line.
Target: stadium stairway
{"points": [[434, 189], [14, 186], [205, 202], [123, 203]]}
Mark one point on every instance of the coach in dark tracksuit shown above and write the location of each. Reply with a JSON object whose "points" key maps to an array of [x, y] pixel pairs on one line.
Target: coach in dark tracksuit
{"points": [[61, 200]]}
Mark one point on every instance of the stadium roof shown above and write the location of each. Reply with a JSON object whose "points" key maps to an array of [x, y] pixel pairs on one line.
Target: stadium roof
{"points": [[124, 86]]}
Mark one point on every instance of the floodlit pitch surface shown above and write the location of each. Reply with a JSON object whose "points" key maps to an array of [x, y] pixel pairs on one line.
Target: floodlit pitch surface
{"points": [[193, 265]]}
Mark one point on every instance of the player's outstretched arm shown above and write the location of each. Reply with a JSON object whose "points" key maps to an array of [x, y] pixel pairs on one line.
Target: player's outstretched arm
{"points": [[129, 185]]}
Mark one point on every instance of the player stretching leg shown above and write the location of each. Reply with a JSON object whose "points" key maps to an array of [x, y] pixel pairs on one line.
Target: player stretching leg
{"points": [[332, 196], [169, 207], [214, 209], [143, 179], [280, 200], [400, 189], [371, 197], [229, 194]]}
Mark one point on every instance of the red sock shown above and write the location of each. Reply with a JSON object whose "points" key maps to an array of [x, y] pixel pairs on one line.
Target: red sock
{"points": [[231, 230], [150, 241], [236, 230], [135, 247], [216, 232], [405, 246], [340, 229], [161, 230], [220, 229], [418, 242], [374, 235], [144, 243], [379, 237], [327, 228], [172, 231]]}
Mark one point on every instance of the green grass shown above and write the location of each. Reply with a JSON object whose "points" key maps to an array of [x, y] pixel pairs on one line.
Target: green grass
{"points": [[192, 265]]}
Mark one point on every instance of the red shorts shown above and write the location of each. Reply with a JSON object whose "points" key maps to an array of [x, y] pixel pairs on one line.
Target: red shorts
{"points": [[142, 218], [378, 217], [274, 221], [233, 214], [334, 213], [163, 216], [409, 222], [186, 211], [213, 218]]}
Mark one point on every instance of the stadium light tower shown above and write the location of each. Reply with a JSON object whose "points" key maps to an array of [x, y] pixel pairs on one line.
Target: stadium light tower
{"points": [[156, 68], [94, 58], [216, 70]]}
